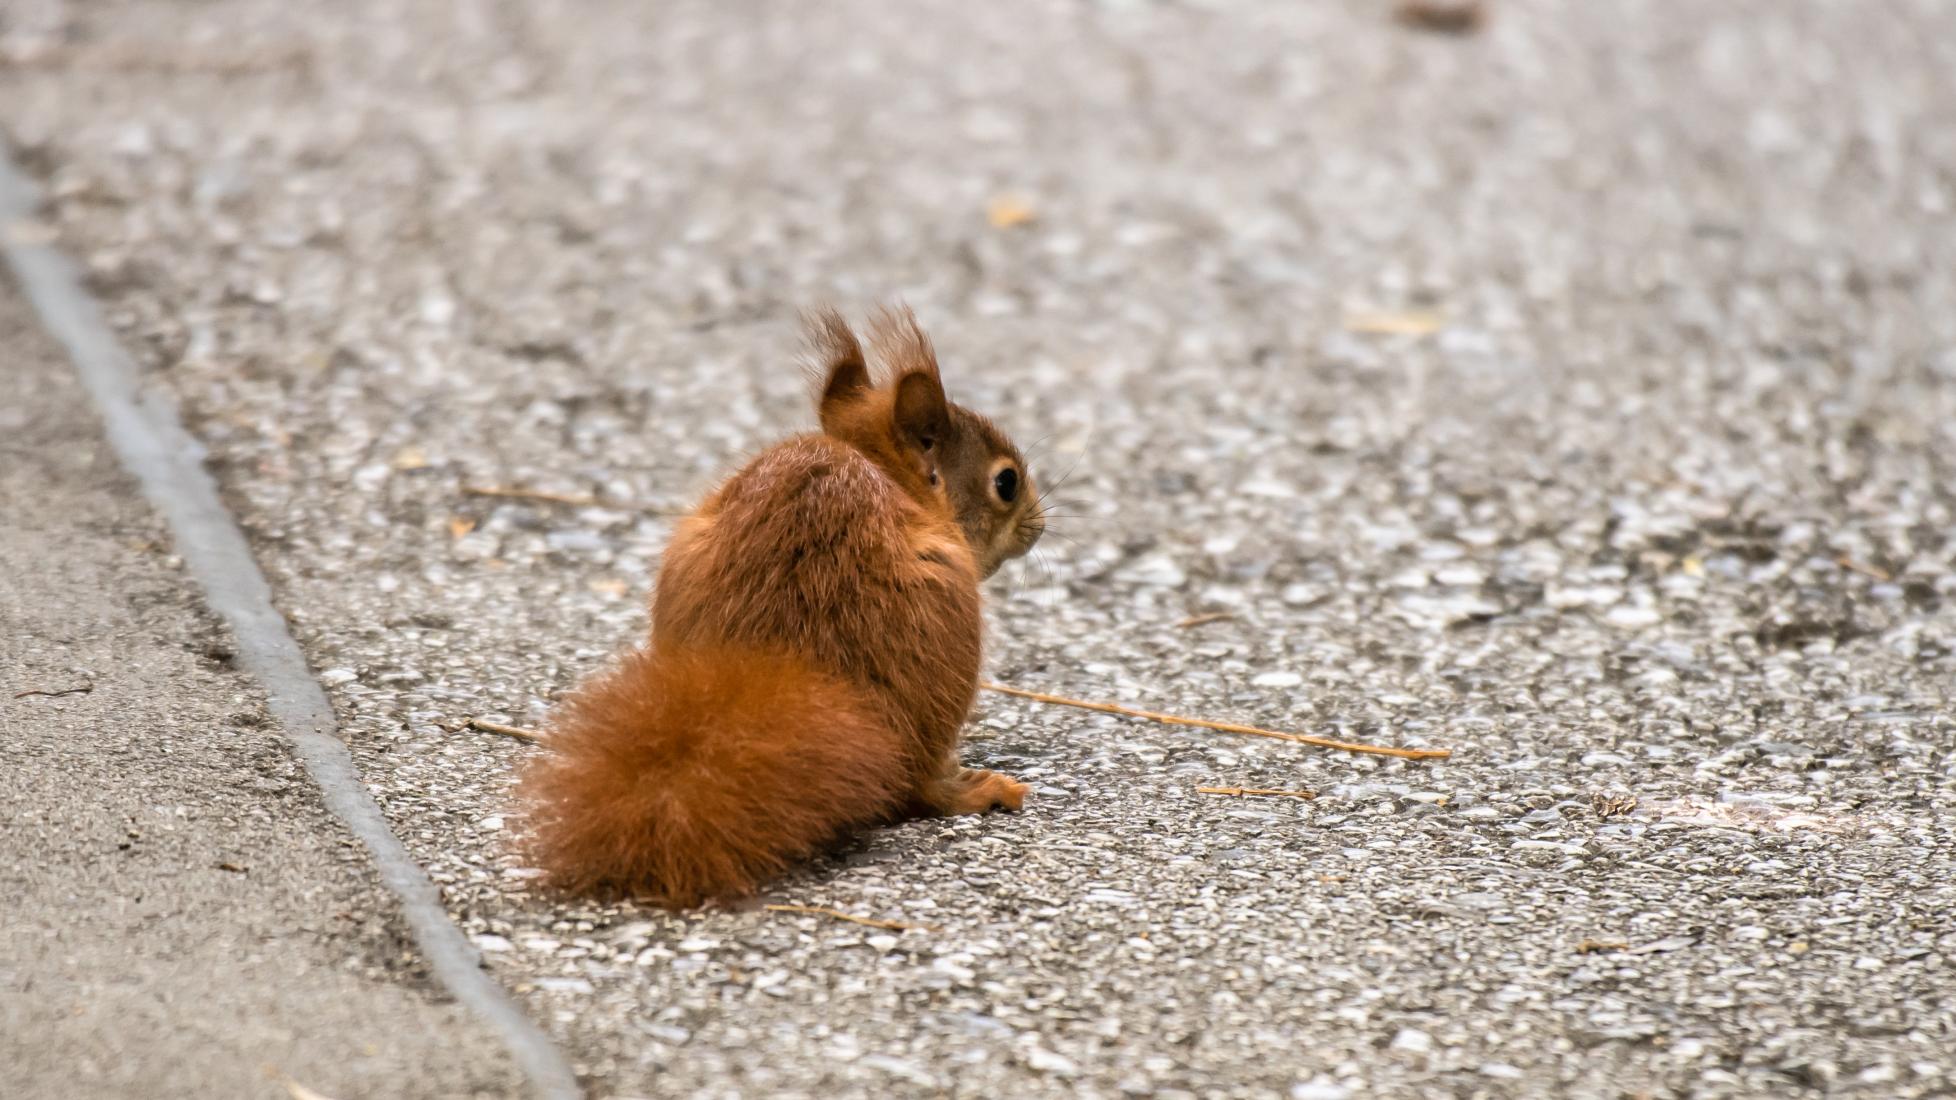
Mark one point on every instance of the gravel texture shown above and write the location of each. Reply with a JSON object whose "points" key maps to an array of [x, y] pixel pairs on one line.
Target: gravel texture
{"points": [[1578, 395]]}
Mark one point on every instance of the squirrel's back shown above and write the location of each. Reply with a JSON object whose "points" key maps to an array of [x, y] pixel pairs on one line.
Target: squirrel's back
{"points": [[808, 513], [813, 549]]}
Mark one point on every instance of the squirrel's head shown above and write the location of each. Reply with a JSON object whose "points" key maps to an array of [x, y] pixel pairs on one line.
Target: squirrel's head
{"points": [[944, 455]]}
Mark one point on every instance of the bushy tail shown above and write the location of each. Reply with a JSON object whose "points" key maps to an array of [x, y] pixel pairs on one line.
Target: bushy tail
{"points": [[681, 777]]}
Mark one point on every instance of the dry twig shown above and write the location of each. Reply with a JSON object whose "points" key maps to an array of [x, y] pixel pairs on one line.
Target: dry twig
{"points": [[872, 922], [1226, 727], [1240, 792], [1443, 16], [534, 737], [1865, 570], [82, 690], [173, 60], [574, 500], [1592, 947], [1199, 620], [505, 492]]}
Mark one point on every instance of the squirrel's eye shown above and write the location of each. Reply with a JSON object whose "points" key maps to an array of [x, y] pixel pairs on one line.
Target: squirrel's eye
{"points": [[1007, 483]]}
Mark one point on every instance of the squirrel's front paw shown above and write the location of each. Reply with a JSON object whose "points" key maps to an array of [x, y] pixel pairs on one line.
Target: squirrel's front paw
{"points": [[1005, 792], [974, 791]]}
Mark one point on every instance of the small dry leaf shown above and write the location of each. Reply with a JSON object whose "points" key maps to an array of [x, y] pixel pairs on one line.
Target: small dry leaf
{"points": [[1612, 805], [1692, 566], [410, 458], [1009, 211], [459, 526], [227, 865], [1593, 947], [301, 1092], [609, 586], [1411, 322]]}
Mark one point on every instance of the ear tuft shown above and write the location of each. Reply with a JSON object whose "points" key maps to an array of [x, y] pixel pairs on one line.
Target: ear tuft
{"points": [[901, 342], [838, 357]]}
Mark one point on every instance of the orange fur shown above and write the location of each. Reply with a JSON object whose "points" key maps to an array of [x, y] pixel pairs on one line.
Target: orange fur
{"points": [[703, 774], [815, 647]]}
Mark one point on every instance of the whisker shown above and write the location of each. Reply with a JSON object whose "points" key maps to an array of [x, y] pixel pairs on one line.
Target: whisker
{"points": [[1045, 567], [1070, 467], [1054, 580], [1049, 490]]}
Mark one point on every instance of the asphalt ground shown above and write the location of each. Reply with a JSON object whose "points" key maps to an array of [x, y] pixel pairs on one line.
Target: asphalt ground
{"points": [[1575, 395]]}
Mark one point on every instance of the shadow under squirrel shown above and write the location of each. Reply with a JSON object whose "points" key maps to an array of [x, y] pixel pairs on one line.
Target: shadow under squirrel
{"points": [[814, 651]]}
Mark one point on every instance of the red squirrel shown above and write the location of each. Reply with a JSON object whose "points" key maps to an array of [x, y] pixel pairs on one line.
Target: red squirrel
{"points": [[814, 650]]}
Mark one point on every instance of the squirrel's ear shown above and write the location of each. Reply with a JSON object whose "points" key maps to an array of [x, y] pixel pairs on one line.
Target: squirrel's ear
{"points": [[848, 380], [839, 359], [921, 417]]}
